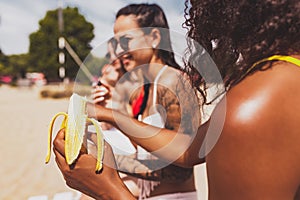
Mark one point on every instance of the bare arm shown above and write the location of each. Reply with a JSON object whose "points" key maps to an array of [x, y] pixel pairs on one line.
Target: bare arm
{"points": [[167, 144], [182, 112]]}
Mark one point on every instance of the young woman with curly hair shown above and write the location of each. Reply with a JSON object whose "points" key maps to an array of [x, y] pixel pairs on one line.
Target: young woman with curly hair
{"points": [[256, 47]]}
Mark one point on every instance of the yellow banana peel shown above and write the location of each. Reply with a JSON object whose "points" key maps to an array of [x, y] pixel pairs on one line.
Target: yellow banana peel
{"points": [[74, 123]]}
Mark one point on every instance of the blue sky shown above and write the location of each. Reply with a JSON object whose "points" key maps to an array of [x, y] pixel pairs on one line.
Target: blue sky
{"points": [[19, 18]]}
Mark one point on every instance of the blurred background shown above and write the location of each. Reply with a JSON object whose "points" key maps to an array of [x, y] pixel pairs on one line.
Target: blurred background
{"points": [[29, 35]]}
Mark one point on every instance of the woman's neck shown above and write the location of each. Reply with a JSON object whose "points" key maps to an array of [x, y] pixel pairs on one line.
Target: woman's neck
{"points": [[153, 68]]}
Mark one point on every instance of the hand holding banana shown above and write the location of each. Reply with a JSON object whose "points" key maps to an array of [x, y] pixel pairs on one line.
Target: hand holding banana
{"points": [[74, 123]]}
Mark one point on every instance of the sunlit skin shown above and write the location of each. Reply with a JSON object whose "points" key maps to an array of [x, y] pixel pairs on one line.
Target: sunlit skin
{"points": [[261, 118]]}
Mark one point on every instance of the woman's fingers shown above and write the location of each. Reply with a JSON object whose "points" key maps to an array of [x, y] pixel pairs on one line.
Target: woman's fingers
{"points": [[100, 94], [59, 142], [60, 161], [99, 100], [100, 91]]}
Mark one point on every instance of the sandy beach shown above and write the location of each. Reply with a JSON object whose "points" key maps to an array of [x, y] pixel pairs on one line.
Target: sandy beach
{"points": [[24, 122]]}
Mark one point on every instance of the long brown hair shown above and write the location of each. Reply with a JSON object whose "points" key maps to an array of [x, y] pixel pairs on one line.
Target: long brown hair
{"points": [[152, 16]]}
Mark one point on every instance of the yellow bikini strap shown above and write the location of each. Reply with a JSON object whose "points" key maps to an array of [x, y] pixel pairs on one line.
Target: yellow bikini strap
{"points": [[275, 57], [279, 57]]}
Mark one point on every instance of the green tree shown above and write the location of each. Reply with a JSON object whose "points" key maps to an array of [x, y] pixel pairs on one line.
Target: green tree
{"points": [[18, 65], [4, 64], [43, 50], [13, 65]]}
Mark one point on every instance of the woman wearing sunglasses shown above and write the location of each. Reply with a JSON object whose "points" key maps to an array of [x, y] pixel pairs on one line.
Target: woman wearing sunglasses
{"points": [[148, 51]]}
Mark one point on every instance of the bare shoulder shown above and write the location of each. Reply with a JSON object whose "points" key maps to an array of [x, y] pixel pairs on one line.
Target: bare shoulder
{"points": [[258, 154], [174, 84], [170, 77], [266, 98], [179, 101]]}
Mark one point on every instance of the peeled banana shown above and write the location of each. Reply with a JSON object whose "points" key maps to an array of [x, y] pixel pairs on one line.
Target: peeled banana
{"points": [[74, 123]]}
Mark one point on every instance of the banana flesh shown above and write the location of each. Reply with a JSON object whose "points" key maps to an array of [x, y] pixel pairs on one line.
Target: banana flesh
{"points": [[74, 123]]}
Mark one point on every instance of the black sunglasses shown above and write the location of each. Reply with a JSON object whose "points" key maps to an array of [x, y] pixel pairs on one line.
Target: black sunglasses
{"points": [[123, 41]]}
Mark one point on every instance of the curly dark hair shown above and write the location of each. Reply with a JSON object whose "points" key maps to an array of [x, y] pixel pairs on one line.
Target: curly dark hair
{"points": [[236, 34]]}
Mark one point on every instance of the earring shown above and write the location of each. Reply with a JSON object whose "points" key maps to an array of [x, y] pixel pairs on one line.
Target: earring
{"points": [[153, 46]]}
